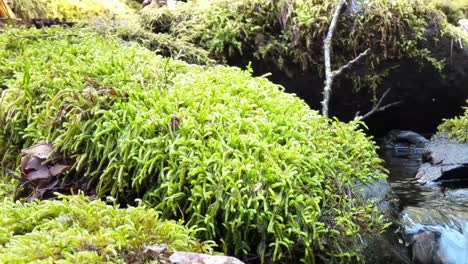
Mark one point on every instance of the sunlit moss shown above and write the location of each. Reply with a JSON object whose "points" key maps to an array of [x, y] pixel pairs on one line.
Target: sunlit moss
{"points": [[457, 127], [253, 166], [72, 10], [75, 229]]}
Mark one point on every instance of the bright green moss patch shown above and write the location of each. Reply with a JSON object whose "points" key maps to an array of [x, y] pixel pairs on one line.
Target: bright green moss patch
{"points": [[72, 10], [457, 127], [213, 146], [75, 229]]}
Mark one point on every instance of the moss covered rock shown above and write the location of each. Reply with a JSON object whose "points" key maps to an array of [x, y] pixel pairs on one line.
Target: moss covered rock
{"points": [[253, 166]]}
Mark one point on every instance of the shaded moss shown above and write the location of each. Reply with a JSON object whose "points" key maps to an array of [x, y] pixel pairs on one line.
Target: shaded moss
{"points": [[292, 31], [288, 35]]}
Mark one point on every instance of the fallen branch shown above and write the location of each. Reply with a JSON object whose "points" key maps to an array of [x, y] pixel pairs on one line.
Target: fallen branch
{"points": [[377, 107], [329, 74], [351, 63], [327, 51]]}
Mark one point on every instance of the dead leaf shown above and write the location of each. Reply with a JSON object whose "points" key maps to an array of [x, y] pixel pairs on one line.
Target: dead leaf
{"points": [[175, 122], [48, 184], [257, 187], [41, 150], [196, 258], [42, 173], [32, 164], [58, 169]]}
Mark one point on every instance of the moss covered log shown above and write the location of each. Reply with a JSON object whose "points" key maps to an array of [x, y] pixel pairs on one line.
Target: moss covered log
{"points": [[457, 127], [253, 166], [288, 35]]}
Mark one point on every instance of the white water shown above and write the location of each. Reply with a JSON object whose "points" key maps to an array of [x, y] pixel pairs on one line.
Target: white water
{"points": [[429, 208], [453, 241]]}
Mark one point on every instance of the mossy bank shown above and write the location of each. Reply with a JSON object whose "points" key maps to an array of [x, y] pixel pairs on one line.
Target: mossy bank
{"points": [[255, 167], [414, 50], [457, 127]]}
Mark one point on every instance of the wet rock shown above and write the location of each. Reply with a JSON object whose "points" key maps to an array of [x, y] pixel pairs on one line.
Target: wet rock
{"points": [[382, 248], [194, 258], [423, 247], [386, 248], [406, 138], [455, 195], [380, 192], [446, 161], [437, 234]]}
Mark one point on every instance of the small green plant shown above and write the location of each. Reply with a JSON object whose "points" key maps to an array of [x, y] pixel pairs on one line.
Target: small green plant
{"points": [[457, 127], [75, 229], [253, 166]]}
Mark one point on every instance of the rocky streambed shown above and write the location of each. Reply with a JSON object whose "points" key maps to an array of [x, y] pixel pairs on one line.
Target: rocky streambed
{"points": [[430, 178]]}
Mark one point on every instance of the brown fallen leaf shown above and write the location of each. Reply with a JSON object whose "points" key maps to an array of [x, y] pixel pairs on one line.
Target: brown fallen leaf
{"points": [[42, 173], [196, 258], [175, 122], [58, 169], [41, 150], [32, 164]]}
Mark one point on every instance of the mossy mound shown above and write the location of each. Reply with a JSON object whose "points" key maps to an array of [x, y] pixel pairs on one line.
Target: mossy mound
{"points": [[72, 10], [255, 167], [457, 127], [74, 229], [453, 9]]}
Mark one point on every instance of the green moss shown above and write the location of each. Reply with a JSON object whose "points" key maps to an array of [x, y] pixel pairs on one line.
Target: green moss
{"points": [[288, 35], [457, 127], [255, 167], [161, 43], [453, 9], [69, 10], [75, 229]]}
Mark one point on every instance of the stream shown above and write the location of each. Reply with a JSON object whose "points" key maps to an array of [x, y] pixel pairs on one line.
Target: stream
{"points": [[434, 217]]}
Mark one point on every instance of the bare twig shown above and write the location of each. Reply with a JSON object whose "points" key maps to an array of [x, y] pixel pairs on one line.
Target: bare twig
{"points": [[327, 51], [351, 63], [329, 74], [50, 36], [377, 107]]}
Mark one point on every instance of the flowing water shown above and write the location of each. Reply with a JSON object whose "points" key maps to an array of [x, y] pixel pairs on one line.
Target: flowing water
{"points": [[434, 218]]}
